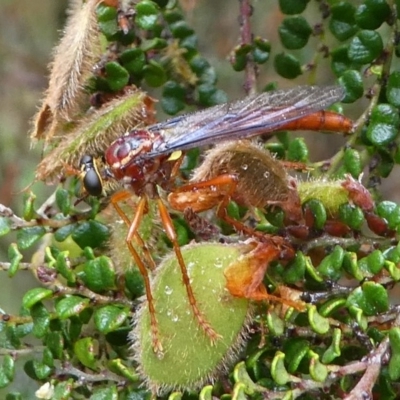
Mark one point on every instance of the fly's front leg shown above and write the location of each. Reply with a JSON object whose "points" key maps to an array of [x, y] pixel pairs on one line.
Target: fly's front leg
{"points": [[133, 234], [117, 198]]}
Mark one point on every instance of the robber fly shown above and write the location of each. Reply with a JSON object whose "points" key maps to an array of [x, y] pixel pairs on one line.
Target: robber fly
{"points": [[148, 159]]}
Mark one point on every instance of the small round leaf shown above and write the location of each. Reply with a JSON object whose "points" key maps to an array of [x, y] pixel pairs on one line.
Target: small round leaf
{"points": [[291, 7], [372, 14], [353, 83], [342, 23], [90, 234], [287, 66], [365, 47], [393, 89], [109, 318], [71, 306], [146, 14], [294, 32]]}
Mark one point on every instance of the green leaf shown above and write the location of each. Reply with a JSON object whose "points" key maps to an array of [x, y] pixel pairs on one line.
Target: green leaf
{"points": [[209, 95], [71, 306], [62, 390], [383, 128], [28, 207], [341, 63], [333, 351], [8, 367], [295, 350], [262, 50], [352, 162], [291, 7], [239, 56], [275, 324], [34, 296], [353, 83], [393, 89], [27, 237], [342, 23], [146, 15], [385, 113], [134, 282], [371, 298], [119, 367], [390, 211], [109, 318], [63, 201], [90, 234], [350, 265], [85, 349], [295, 270], [294, 32], [372, 14], [98, 274], [173, 98], [41, 320], [297, 150], [37, 370], [133, 60], [381, 134], [180, 29], [278, 371], [109, 393], [287, 66], [202, 68], [318, 323], [63, 266], [331, 265], [61, 234], [351, 216], [116, 75], [55, 343], [154, 74], [4, 379], [153, 44], [4, 226], [365, 47], [394, 363], [107, 19], [318, 211], [331, 306], [318, 371], [15, 258], [375, 261]]}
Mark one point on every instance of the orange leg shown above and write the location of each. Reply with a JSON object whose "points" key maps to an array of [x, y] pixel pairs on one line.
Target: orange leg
{"points": [[133, 234], [202, 196], [170, 231], [117, 198], [245, 276]]}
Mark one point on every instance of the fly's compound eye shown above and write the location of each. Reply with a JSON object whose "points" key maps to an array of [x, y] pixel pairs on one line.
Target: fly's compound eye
{"points": [[91, 178]]}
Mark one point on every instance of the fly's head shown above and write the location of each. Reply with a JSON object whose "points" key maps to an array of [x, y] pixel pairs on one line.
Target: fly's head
{"points": [[96, 176], [90, 175]]}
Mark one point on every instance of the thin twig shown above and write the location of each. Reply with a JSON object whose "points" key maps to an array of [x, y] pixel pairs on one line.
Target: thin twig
{"points": [[246, 11]]}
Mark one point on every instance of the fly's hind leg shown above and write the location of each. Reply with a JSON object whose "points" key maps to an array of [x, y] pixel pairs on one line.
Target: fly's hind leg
{"points": [[170, 231]]}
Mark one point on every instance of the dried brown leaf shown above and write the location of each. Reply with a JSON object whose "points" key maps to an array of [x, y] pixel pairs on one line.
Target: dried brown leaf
{"points": [[72, 65], [96, 131]]}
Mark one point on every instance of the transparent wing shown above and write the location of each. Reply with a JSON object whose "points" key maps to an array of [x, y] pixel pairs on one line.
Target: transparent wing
{"points": [[253, 115]]}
